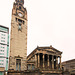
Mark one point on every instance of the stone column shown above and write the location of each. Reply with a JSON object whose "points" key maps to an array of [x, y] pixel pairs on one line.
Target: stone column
{"points": [[52, 62], [56, 62], [48, 61], [38, 60], [43, 60], [35, 61], [60, 63]]}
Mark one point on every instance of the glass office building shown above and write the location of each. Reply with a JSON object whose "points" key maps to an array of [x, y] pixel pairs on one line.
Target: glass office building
{"points": [[4, 49]]}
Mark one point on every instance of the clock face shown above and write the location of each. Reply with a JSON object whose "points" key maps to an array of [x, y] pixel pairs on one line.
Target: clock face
{"points": [[20, 14]]}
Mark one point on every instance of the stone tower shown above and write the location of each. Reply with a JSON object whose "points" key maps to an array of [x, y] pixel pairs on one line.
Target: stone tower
{"points": [[18, 38]]}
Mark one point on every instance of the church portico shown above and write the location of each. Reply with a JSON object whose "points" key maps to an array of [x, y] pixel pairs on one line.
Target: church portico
{"points": [[45, 59]]}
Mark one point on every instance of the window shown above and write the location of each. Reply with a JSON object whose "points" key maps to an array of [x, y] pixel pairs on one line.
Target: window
{"points": [[18, 64], [2, 47], [19, 7], [1, 53], [29, 66], [1, 64], [1, 60], [2, 41], [3, 34], [19, 27], [20, 21], [2, 50]]}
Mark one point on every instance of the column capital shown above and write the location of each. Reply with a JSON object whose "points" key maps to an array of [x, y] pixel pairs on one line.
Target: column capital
{"points": [[59, 56], [35, 54]]}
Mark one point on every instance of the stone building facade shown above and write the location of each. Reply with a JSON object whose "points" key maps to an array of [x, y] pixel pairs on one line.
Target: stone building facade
{"points": [[18, 38], [69, 67], [45, 59], [42, 61]]}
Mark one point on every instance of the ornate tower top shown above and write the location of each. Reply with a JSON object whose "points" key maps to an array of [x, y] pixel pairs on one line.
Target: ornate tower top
{"points": [[20, 2]]}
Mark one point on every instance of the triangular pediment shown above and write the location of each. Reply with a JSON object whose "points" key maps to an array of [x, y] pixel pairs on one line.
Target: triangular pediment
{"points": [[49, 49], [45, 50]]}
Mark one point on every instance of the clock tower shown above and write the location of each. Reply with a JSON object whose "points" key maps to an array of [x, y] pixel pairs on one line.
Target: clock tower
{"points": [[18, 38]]}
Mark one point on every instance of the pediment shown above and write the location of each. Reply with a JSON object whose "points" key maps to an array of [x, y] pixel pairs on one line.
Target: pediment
{"points": [[48, 50], [45, 50]]}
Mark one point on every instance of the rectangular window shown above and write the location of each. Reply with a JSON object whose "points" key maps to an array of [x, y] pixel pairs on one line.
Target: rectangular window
{"points": [[18, 64], [2, 37], [2, 40], [29, 67], [33, 66], [3, 34], [1, 53], [2, 47], [1, 64], [2, 50]]}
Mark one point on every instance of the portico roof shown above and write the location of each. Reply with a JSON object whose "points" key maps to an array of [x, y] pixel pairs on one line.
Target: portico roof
{"points": [[48, 50]]}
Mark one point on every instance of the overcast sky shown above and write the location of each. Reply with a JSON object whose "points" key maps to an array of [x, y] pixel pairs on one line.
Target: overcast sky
{"points": [[50, 22]]}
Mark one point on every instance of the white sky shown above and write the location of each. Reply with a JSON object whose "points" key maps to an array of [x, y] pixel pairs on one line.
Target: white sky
{"points": [[50, 22]]}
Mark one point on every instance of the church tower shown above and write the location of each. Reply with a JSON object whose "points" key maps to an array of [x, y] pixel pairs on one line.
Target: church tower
{"points": [[18, 38]]}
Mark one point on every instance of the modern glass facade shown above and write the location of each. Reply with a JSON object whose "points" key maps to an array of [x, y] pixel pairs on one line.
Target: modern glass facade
{"points": [[4, 48]]}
